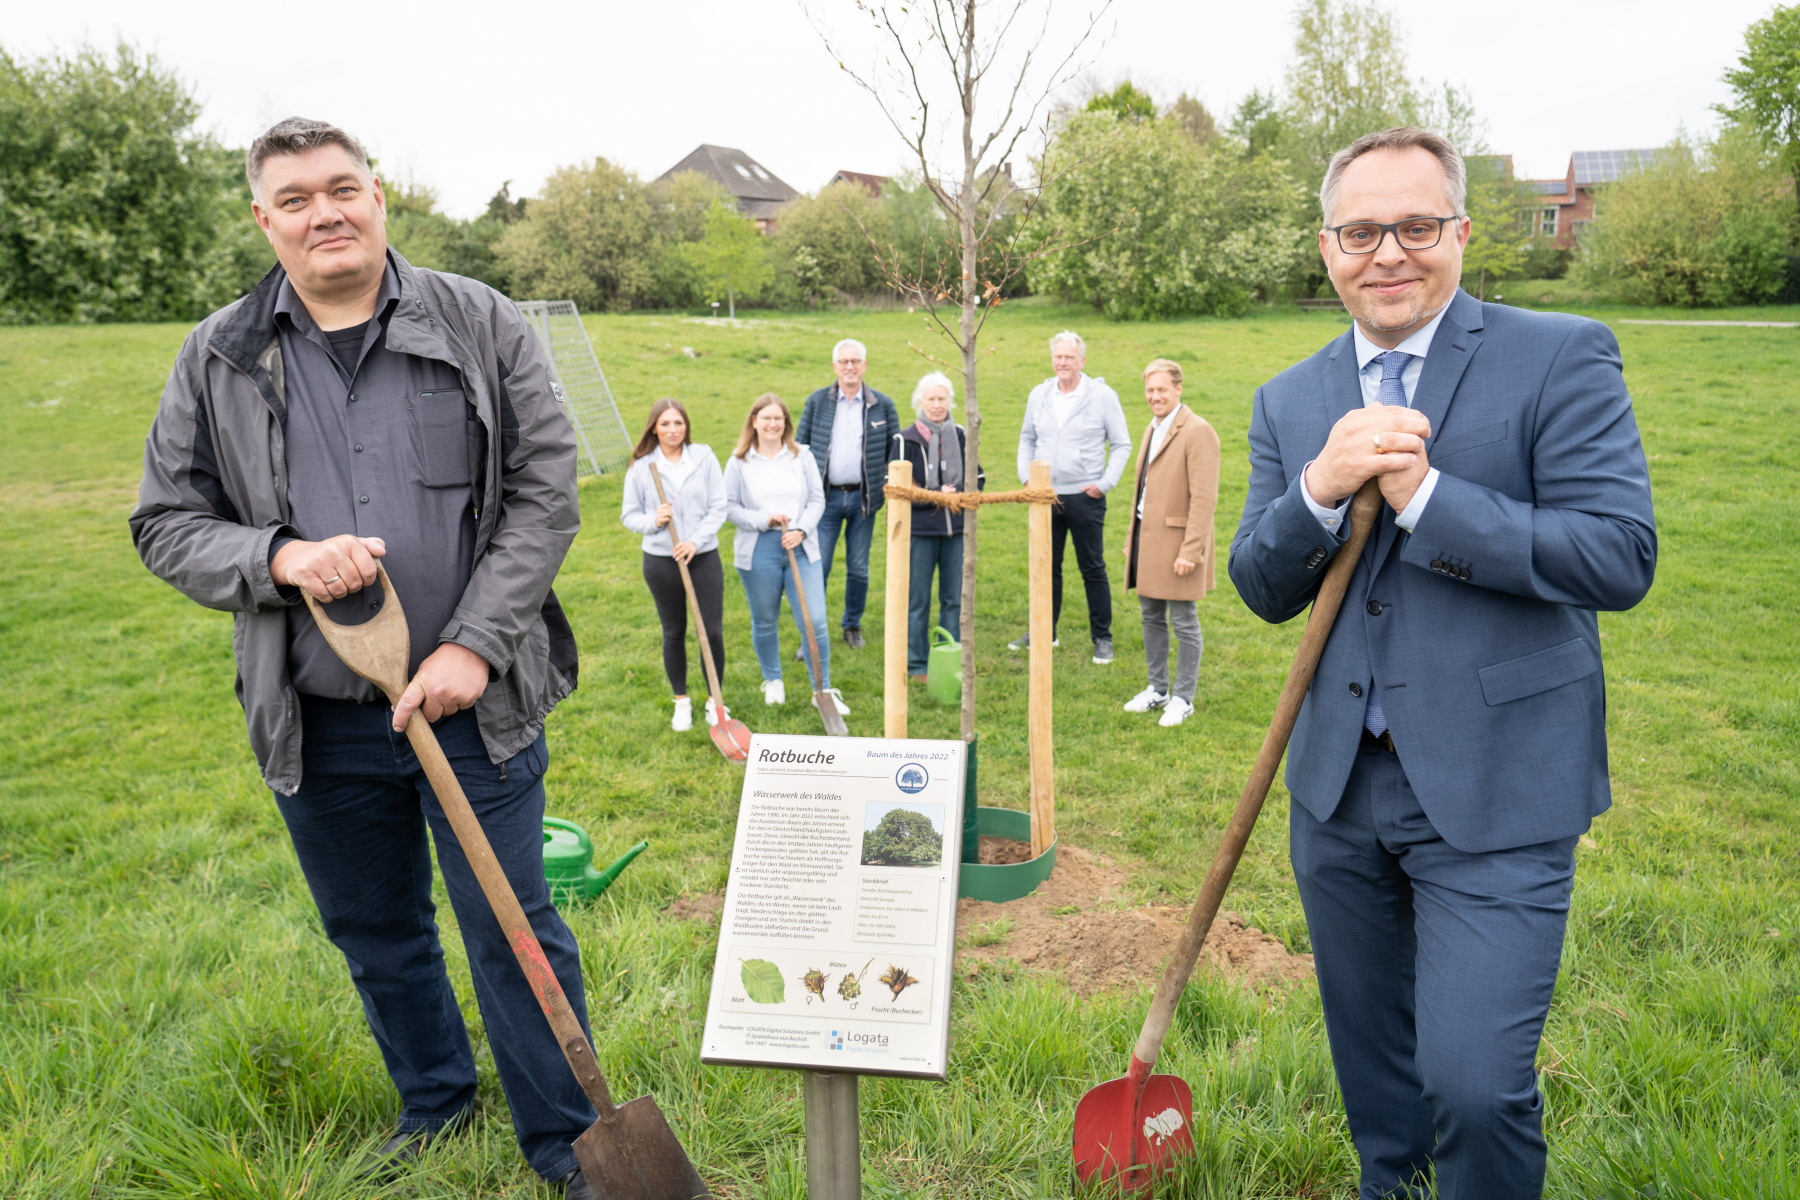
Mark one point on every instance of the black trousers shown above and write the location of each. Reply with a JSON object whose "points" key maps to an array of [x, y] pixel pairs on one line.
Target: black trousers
{"points": [[1084, 517], [664, 578]]}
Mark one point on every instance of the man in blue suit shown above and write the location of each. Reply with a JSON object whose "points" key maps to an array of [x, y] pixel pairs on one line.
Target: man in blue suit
{"points": [[1452, 747]]}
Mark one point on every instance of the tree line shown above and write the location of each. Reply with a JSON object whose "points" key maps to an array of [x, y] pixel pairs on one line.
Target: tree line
{"points": [[114, 207]]}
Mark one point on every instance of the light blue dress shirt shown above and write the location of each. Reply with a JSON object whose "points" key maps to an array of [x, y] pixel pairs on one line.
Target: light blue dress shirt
{"points": [[845, 462], [1368, 373]]}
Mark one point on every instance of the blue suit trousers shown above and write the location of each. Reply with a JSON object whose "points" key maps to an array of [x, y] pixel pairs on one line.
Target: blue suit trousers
{"points": [[362, 825], [1436, 969]]}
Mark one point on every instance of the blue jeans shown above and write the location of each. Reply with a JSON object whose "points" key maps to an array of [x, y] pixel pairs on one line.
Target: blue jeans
{"points": [[945, 556], [359, 825], [764, 583], [845, 509], [1436, 968]]}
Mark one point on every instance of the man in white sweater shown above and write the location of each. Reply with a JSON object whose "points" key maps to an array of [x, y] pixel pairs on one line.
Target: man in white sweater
{"points": [[1077, 425]]}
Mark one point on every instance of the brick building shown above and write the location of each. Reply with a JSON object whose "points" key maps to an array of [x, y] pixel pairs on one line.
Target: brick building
{"points": [[1561, 207]]}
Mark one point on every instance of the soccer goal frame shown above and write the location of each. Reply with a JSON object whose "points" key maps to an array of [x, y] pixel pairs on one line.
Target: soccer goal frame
{"points": [[602, 444]]}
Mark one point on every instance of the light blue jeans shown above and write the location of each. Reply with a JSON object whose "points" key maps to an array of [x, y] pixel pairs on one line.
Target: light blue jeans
{"points": [[764, 583]]}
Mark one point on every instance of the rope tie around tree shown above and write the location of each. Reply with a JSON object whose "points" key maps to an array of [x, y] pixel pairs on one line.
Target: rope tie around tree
{"points": [[963, 501]]}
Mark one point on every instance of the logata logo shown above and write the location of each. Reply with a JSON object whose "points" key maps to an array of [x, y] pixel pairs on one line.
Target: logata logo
{"points": [[911, 778]]}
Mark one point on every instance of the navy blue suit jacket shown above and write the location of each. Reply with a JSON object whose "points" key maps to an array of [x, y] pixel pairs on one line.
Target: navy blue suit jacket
{"points": [[1478, 627]]}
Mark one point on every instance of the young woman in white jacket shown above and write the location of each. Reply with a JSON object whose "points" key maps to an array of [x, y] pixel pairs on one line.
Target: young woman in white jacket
{"points": [[774, 496], [696, 501]]}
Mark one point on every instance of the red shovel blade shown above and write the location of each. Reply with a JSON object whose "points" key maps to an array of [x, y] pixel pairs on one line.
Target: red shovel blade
{"points": [[732, 737], [1132, 1133]]}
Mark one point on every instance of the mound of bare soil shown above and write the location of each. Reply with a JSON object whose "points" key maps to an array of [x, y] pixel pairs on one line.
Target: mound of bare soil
{"points": [[1074, 924]]}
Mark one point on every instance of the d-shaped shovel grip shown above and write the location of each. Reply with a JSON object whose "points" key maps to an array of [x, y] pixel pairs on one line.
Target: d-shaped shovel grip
{"points": [[378, 650]]}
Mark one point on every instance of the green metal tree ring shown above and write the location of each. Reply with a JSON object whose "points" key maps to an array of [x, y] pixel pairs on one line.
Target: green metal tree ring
{"points": [[1001, 882]]}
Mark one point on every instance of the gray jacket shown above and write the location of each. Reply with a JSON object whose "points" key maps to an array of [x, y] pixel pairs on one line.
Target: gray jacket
{"points": [[215, 496], [1079, 454], [699, 503]]}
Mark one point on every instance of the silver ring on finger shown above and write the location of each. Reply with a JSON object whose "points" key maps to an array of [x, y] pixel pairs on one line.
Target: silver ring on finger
{"points": [[332, 580]]}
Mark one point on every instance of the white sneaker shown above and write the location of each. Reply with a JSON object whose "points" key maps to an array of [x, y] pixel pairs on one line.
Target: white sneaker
{"points": [[836, 695], [712, 714], [1175, 711], [684, 715], [1146, 700], [773, 692]]}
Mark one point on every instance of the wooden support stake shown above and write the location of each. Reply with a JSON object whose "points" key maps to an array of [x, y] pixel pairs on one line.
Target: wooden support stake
{"points": [[1043, 771], [899, 592]]}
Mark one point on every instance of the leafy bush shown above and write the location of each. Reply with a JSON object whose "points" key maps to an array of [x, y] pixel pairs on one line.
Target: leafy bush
{"points": [[1699, 226], [1155, 225], [590, 237], [115, 208], [823, 242]]}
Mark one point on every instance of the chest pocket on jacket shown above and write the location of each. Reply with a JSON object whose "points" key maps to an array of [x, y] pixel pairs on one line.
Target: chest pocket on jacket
{"points": [[441, 433]]}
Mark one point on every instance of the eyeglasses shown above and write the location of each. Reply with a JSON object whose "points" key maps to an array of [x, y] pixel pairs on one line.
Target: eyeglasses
{"points": [[1414, 233]]}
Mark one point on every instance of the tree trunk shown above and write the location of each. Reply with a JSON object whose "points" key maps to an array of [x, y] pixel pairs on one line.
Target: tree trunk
{"points": [[731, 297], [971, 404]]}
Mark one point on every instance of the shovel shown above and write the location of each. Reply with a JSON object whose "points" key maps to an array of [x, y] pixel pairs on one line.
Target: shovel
{"points": [[1131, 1129], [730, 735], [826, 703], [630, 1153]]}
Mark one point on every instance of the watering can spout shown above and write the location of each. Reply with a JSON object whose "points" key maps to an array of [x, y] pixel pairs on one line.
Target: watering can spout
{"points": [[569, 862], [594, 882]]}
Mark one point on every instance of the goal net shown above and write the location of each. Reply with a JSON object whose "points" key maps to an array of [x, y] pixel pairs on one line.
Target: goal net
{"points": [[601, 443]]}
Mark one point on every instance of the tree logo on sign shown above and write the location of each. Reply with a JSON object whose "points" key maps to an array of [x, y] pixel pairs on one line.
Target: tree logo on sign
{"points": [[912, 778]]}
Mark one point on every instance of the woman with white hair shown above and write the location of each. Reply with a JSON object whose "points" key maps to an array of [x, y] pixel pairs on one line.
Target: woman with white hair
{"points": [[934, 446]]}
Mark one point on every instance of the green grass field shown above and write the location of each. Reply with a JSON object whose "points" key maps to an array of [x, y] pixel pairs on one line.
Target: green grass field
{"points": [[173, 1023]]}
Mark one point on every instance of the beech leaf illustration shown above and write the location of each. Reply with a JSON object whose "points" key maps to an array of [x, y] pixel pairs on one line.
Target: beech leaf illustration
{"points": [[762, 981]]}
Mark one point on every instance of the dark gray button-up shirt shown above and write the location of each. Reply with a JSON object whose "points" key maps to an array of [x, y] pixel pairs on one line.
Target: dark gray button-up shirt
{"points": [[378, 447]]}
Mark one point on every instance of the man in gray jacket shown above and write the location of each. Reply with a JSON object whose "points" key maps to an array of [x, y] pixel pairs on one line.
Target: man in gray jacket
{"points": [[355, 408], [1078, 426]]}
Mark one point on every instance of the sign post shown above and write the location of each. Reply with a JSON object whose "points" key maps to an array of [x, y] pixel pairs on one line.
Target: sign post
{"points": [[839, 927]]}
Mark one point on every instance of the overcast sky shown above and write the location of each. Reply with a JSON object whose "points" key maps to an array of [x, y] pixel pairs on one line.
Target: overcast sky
{"points": [[460, 96]]}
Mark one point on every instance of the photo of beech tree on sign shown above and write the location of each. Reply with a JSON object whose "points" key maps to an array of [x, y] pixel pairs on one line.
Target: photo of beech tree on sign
{"points": [[903, 835]]}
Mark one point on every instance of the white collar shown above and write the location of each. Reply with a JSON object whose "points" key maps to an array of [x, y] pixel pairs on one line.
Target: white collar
{"points": [[780, 454], [861, 393], [1081, 383], [1157, 422], [686, 453], [1418, 345]]}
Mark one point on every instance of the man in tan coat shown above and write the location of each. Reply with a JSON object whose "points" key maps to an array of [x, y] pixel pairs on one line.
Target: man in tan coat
{"points": [[1169, 548]]}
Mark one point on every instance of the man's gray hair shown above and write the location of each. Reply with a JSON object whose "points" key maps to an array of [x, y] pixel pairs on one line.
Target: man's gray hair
{"points": [[1404, 137], [296, 135], [1069, 335], [862, 351], [935, 379]]}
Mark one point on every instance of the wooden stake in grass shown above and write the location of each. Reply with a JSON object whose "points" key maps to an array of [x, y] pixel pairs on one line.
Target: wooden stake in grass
{"points": [[899, 594], [1043, 771]]}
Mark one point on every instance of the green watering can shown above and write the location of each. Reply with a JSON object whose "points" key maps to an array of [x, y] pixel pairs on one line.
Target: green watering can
{"points": [[569, 862], [943, 672]]}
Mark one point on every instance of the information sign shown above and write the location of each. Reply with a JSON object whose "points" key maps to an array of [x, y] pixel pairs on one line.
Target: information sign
{"points": [[839, 925]]}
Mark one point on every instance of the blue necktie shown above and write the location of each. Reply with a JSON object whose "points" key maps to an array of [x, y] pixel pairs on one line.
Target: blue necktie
{"points": [[1393, 365], [1392, 391]]}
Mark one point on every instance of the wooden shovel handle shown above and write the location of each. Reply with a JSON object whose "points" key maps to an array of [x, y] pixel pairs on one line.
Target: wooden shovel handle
{"points": [[687, 581], [1363, 515], [806, 622], [524, 943]]}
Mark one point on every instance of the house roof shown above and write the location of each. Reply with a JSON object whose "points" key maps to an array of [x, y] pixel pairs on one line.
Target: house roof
{"points": [[759, 193], [1604, 166], [868, 183]]}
